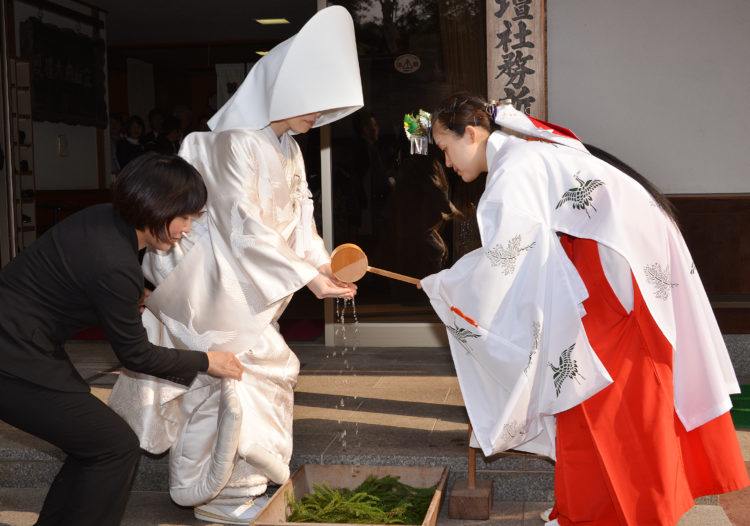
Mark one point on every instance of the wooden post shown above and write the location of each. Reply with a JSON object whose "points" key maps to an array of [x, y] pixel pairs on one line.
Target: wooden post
{"points": [[469, 498], [472, 474]]}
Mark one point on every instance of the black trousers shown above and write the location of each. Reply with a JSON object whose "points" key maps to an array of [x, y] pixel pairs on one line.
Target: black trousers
{"points": [[92, 487]]}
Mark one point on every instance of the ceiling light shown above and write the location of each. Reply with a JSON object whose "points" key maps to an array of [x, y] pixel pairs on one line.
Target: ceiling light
{"points": [[270, 21], [261, 53]]}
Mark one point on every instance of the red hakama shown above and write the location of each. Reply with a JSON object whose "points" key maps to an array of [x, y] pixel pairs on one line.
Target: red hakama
{"points": [[623, 455]]}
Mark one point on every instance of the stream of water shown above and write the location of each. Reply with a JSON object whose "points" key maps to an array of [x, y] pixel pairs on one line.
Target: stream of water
{"points": [[349, 345]]}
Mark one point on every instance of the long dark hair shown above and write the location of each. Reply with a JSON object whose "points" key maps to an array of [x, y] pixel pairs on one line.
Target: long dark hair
{"points": [[154, 188], [465, 109], [661, 200], [461, 110]]}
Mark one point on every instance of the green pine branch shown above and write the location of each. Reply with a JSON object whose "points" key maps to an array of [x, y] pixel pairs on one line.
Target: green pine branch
{"points": [[383, 500]]}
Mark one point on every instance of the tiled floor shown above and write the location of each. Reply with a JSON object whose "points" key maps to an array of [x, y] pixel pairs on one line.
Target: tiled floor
{"points": [[737, 504]]}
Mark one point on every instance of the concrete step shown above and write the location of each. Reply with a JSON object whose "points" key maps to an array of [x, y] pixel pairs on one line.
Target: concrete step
{"points": [[20, 507], [27, 462]]}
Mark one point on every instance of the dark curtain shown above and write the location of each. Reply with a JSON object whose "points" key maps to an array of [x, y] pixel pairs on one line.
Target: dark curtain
{"points": [[67, 74]]}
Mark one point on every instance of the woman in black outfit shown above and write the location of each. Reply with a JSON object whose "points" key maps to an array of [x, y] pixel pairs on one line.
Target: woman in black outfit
{"points": [[130, 147], [85, 272]]}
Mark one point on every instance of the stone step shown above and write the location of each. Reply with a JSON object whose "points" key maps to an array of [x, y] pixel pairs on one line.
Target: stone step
{"points": [[20, 507], [29, 462], [516, 477]]}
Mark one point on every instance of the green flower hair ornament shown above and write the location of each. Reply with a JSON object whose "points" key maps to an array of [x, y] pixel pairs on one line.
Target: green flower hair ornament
{"points": [[417, 128]]}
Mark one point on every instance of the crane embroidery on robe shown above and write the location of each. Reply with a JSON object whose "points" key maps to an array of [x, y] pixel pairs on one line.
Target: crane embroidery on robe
{"points": [[203, 341], [506, 257], [513, 429], [237, 238], [543, 141], [566, 368], [582, 197], [536, 332], [462, 335], [660, 279], [238, 289]]}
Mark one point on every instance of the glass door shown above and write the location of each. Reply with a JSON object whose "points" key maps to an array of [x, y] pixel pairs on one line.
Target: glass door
{"points": [[405, 211]]}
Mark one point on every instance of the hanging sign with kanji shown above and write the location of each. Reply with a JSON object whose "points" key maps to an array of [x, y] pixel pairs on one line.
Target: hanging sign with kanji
{"points": [[516, 54]]}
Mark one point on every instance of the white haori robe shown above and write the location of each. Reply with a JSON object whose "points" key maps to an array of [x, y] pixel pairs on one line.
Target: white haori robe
{"points": [[222, 288], [513, 307]]}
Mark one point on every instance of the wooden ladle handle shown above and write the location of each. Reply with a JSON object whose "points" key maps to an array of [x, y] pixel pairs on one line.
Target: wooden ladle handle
{"points": [[394, 275]]}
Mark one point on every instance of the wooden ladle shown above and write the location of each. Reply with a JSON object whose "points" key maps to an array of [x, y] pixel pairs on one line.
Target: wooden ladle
{"points": [[349, 264]]}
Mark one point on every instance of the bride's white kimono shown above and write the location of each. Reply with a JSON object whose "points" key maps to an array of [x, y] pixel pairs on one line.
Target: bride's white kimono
{"points": [[224, 286], [513, 307]]}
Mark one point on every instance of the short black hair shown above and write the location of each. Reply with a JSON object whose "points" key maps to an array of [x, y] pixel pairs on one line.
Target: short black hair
{"points": [[155, 188], [134, 119]]}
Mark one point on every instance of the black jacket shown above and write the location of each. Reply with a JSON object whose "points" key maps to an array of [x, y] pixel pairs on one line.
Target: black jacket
{"points": [[82, 272]]}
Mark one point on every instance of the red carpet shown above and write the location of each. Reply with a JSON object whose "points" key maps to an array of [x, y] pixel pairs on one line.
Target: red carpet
{"points": [[301, 330], [92, 333], [292, 330]]}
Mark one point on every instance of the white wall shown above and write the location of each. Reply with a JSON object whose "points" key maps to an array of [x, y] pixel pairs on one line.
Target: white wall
{"points": [[662, 84], [77, 170]]}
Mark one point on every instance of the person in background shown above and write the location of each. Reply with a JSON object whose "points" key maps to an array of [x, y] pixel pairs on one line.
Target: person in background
{"points": [[184, 116], [227, 284], [417, 213], [169, 140], [580, 329], [156, 123], [130, 146], [84, 272], [116, 127], [203, 124], [369, 169]]}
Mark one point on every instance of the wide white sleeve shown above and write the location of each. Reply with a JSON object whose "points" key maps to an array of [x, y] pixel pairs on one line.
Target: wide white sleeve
{"points": [[513, 313], [704, 376]]}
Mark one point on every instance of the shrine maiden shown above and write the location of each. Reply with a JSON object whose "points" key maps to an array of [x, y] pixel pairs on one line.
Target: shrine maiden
{"points": [[580, 329], [227, 284]]}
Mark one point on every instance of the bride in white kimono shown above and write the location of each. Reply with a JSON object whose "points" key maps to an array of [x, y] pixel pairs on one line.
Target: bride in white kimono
{"points": [[226, 284]]}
